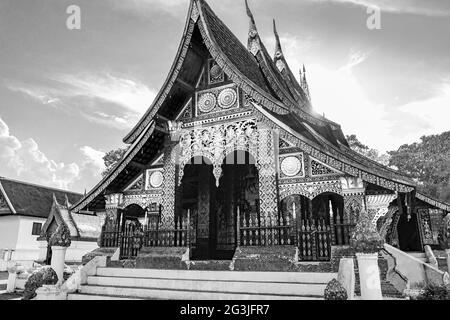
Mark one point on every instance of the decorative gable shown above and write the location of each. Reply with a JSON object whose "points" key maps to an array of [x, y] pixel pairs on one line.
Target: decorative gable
{"points": [[136, 185], [319, 169], [3, 204], [215, 72], [217, 99]]}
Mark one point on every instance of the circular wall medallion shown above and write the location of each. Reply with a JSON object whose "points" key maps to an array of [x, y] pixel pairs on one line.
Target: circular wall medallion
{"points": [[216, 72], [291, 166], [227, 98], [207, 102], [156, 179]]}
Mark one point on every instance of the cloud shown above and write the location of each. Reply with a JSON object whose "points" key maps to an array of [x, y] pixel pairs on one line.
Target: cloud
{"points": [[146, 7], [433, 8], [25, 161], [339, 94], [102, 98]]}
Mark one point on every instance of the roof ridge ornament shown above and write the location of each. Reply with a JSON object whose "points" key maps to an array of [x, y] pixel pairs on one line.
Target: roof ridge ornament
{"points": [[195, 14], [253, 38], [55, 201], [304, 82], [278, 58], [67, 203]]}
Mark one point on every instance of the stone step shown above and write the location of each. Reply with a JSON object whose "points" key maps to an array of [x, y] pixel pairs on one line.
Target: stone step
{"points": [[78, 296], [224, 286], [166, 294], [418, 255], [279, 277]]}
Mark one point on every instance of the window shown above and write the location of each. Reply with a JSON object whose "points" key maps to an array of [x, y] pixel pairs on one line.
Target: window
{"points": [[36, 229]]}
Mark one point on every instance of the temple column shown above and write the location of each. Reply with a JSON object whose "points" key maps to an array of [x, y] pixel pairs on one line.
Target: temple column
{"points": [[353, 191], [111, 221], [169, 185], [267, 177]]}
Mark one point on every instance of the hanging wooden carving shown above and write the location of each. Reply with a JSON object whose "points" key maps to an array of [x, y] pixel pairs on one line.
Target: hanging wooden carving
{"points": [[216, 142]]}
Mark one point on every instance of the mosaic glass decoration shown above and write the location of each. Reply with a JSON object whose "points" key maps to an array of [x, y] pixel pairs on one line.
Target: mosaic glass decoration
{"points": [[207, 102], [156, 179], [227, 98], [291, 166]]}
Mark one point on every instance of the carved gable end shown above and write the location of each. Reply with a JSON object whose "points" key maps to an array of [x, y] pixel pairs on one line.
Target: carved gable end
{"points": [[3, 204], [136, 185], [318, 169]]}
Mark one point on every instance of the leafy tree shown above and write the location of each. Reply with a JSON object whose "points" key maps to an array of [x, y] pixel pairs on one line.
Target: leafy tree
{"points": [[428, 162], [111, 158], [366, 151]]}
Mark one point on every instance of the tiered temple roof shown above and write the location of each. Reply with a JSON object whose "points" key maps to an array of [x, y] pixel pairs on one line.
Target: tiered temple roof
{"points": [[277, 99]]}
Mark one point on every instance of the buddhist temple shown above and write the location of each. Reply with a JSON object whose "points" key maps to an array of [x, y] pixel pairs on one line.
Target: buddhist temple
{"points": [[231, 161]]}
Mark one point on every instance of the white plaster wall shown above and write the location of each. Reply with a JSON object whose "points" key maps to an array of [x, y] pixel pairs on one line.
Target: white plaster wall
{"points": [[27, 248], [74, 253], [9, 231]]}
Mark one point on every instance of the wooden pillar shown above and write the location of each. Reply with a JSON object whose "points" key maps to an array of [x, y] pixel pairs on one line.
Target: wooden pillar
{"points": [[267, 178], [169, 185]]}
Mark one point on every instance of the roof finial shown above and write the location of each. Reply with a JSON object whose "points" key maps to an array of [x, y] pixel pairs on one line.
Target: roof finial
{"points": [[252, 33], [250, 15], [54, 199], [277, 38], [67, 201], [304, 82]]}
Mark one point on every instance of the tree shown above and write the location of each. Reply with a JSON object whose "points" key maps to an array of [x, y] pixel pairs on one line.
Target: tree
{"points": [[111, 158], [428, 162], [366, 151]]}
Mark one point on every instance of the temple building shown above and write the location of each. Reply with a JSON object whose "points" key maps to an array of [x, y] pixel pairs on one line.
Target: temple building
{"points": [[231, 155], [24, 209]]}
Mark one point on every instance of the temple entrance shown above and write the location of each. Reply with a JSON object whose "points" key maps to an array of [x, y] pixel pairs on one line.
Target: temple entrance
{"points": [[408, 233], [131, 224], [213, 208]]}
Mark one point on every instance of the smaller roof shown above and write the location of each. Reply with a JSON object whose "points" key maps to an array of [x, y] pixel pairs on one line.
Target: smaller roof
{"points": [[33, 200], [81, 226]]}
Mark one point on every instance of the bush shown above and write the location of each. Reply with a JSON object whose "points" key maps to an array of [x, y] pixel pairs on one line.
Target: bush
{"points": [[43, 276], [435, 292], [335, 291], [365, 238]]}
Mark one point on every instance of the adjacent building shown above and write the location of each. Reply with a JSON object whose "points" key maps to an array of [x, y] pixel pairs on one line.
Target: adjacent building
{"points": [[24, 210]]}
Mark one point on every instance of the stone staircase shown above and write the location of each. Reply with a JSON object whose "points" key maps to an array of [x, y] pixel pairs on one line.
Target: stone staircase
{"points": [[419, 255], [122, 283]]}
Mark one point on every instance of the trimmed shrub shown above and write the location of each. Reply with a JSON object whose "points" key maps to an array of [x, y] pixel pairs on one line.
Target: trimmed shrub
{"points": [[365, 238], [435, 292], [335, 291], [43, 276]]}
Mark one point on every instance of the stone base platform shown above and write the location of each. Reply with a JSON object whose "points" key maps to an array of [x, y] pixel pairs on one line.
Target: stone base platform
{"points": [[163, 258]]}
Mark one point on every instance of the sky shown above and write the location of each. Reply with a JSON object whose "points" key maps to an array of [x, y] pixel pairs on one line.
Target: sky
{"points": [[68, 96]]}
